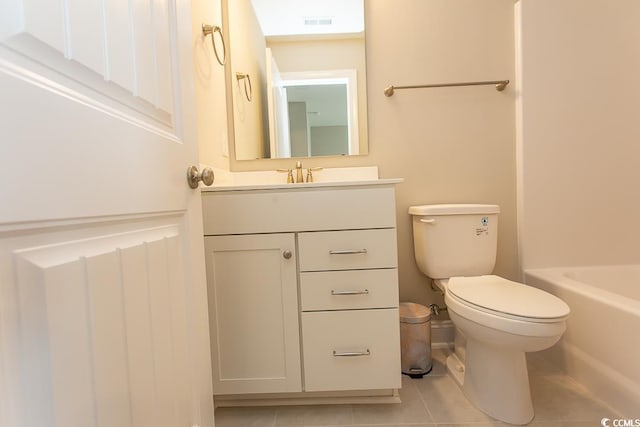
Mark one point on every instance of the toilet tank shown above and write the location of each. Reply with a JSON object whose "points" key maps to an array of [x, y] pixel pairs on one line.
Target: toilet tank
{"points": [[455, 239]]}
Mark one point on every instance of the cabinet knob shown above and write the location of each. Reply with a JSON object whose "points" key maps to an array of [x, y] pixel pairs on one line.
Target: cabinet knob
{"points": [[286, 254]]}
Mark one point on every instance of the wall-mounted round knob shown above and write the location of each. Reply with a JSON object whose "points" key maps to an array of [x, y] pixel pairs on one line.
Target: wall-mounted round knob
{"points": [[286, 254], [194, 176]]}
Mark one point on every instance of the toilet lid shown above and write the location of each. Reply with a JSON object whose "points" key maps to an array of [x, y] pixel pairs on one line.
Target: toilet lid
{"points": [[497, 294]]}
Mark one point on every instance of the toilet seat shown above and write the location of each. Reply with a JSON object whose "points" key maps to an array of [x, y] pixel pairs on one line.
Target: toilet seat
{"points": [[501, 322], [505, 298]]}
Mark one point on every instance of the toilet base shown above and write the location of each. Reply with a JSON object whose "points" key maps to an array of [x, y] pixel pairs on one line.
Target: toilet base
{"points": [[455, 368], [495, 380]]}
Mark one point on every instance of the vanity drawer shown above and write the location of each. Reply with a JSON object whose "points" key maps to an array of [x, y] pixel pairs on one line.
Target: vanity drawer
{"points": [[351, 350], [344, 290], [348, 250]]}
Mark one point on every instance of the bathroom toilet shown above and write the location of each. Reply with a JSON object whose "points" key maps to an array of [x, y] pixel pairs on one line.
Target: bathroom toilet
{"points": [[501, 320]]}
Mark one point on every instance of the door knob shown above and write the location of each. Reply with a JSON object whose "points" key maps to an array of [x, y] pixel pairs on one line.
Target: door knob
{"points": [[286, 254], [194, 176]]}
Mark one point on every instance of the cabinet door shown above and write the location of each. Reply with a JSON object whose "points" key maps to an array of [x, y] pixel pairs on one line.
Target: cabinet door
{"points": [[253, 312]]}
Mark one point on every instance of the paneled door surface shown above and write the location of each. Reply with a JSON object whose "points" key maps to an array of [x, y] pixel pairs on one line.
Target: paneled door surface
{"points": [[103, 313]]}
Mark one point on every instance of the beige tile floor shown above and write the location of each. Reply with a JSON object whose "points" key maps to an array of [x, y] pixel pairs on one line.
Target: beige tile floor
{"points": [[436, 400]]}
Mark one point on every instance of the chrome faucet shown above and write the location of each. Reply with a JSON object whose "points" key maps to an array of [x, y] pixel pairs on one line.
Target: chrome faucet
{"points": [[299, 176]]}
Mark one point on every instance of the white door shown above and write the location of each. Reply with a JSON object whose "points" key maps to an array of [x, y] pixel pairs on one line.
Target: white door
{"points": [[103, 316]]}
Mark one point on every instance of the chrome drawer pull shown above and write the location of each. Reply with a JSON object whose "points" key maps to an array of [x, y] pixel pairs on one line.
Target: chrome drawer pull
{"points": [[358, 292], [349, 252], [351, 353]]}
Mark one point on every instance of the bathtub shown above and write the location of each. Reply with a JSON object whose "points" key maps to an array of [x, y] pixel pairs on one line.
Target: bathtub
{"points": [[601, 347]]}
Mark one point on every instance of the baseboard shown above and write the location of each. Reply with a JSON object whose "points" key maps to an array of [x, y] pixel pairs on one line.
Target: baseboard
{"points": [[303, 398], [442, 333]]}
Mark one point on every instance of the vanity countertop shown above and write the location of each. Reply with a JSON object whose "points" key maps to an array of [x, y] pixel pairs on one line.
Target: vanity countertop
{"points": [[309, 185]]}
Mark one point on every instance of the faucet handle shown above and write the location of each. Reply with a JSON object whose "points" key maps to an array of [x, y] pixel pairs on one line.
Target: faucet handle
{"points": [[289, 174], [310, 175]]}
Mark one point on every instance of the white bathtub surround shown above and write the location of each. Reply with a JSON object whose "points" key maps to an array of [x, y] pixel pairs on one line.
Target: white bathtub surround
{"points": [[600, 348], [578, 175]]}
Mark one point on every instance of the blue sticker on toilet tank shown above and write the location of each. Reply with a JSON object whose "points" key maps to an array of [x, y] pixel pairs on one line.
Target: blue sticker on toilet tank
{"points": [[485, 220]]}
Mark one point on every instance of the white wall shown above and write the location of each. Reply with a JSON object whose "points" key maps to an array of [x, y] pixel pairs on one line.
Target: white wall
{"points": [[580, 134]]}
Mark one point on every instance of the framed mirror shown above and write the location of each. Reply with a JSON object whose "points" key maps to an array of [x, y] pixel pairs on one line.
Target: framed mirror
{"points": [[297, 81]]}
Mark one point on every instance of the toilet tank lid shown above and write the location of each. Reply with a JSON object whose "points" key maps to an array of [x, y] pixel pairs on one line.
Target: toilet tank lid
{"points": [[454, 209]]}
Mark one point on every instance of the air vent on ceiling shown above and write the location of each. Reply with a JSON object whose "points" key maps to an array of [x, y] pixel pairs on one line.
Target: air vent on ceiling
{"points": [[318, 20]]}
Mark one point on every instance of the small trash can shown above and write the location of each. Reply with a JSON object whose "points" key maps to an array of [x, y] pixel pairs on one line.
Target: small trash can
{"points": [[415, 339]]}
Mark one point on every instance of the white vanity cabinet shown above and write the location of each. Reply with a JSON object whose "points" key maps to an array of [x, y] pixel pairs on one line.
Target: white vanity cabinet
{"points": [[253, 310], [303, 289]]}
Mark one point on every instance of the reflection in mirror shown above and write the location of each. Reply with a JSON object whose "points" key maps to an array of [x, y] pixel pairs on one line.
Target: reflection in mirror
{"points": [[306, 60], [321, 111]]}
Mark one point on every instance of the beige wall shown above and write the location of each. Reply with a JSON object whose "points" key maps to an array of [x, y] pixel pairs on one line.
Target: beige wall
{"points": [[211, 105], [452, 145], [581, 132], [248, 55]]}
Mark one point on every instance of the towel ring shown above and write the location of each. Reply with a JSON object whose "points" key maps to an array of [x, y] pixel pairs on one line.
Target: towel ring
{"points": [[248, 93], [212, 29]]}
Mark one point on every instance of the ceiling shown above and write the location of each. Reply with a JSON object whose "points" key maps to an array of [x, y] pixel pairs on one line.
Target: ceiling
{"points": [[287, 17]]}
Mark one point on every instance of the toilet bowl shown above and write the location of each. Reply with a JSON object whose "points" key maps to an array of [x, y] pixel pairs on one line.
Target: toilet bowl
{"points": [[495, 375], [501, 320]]}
